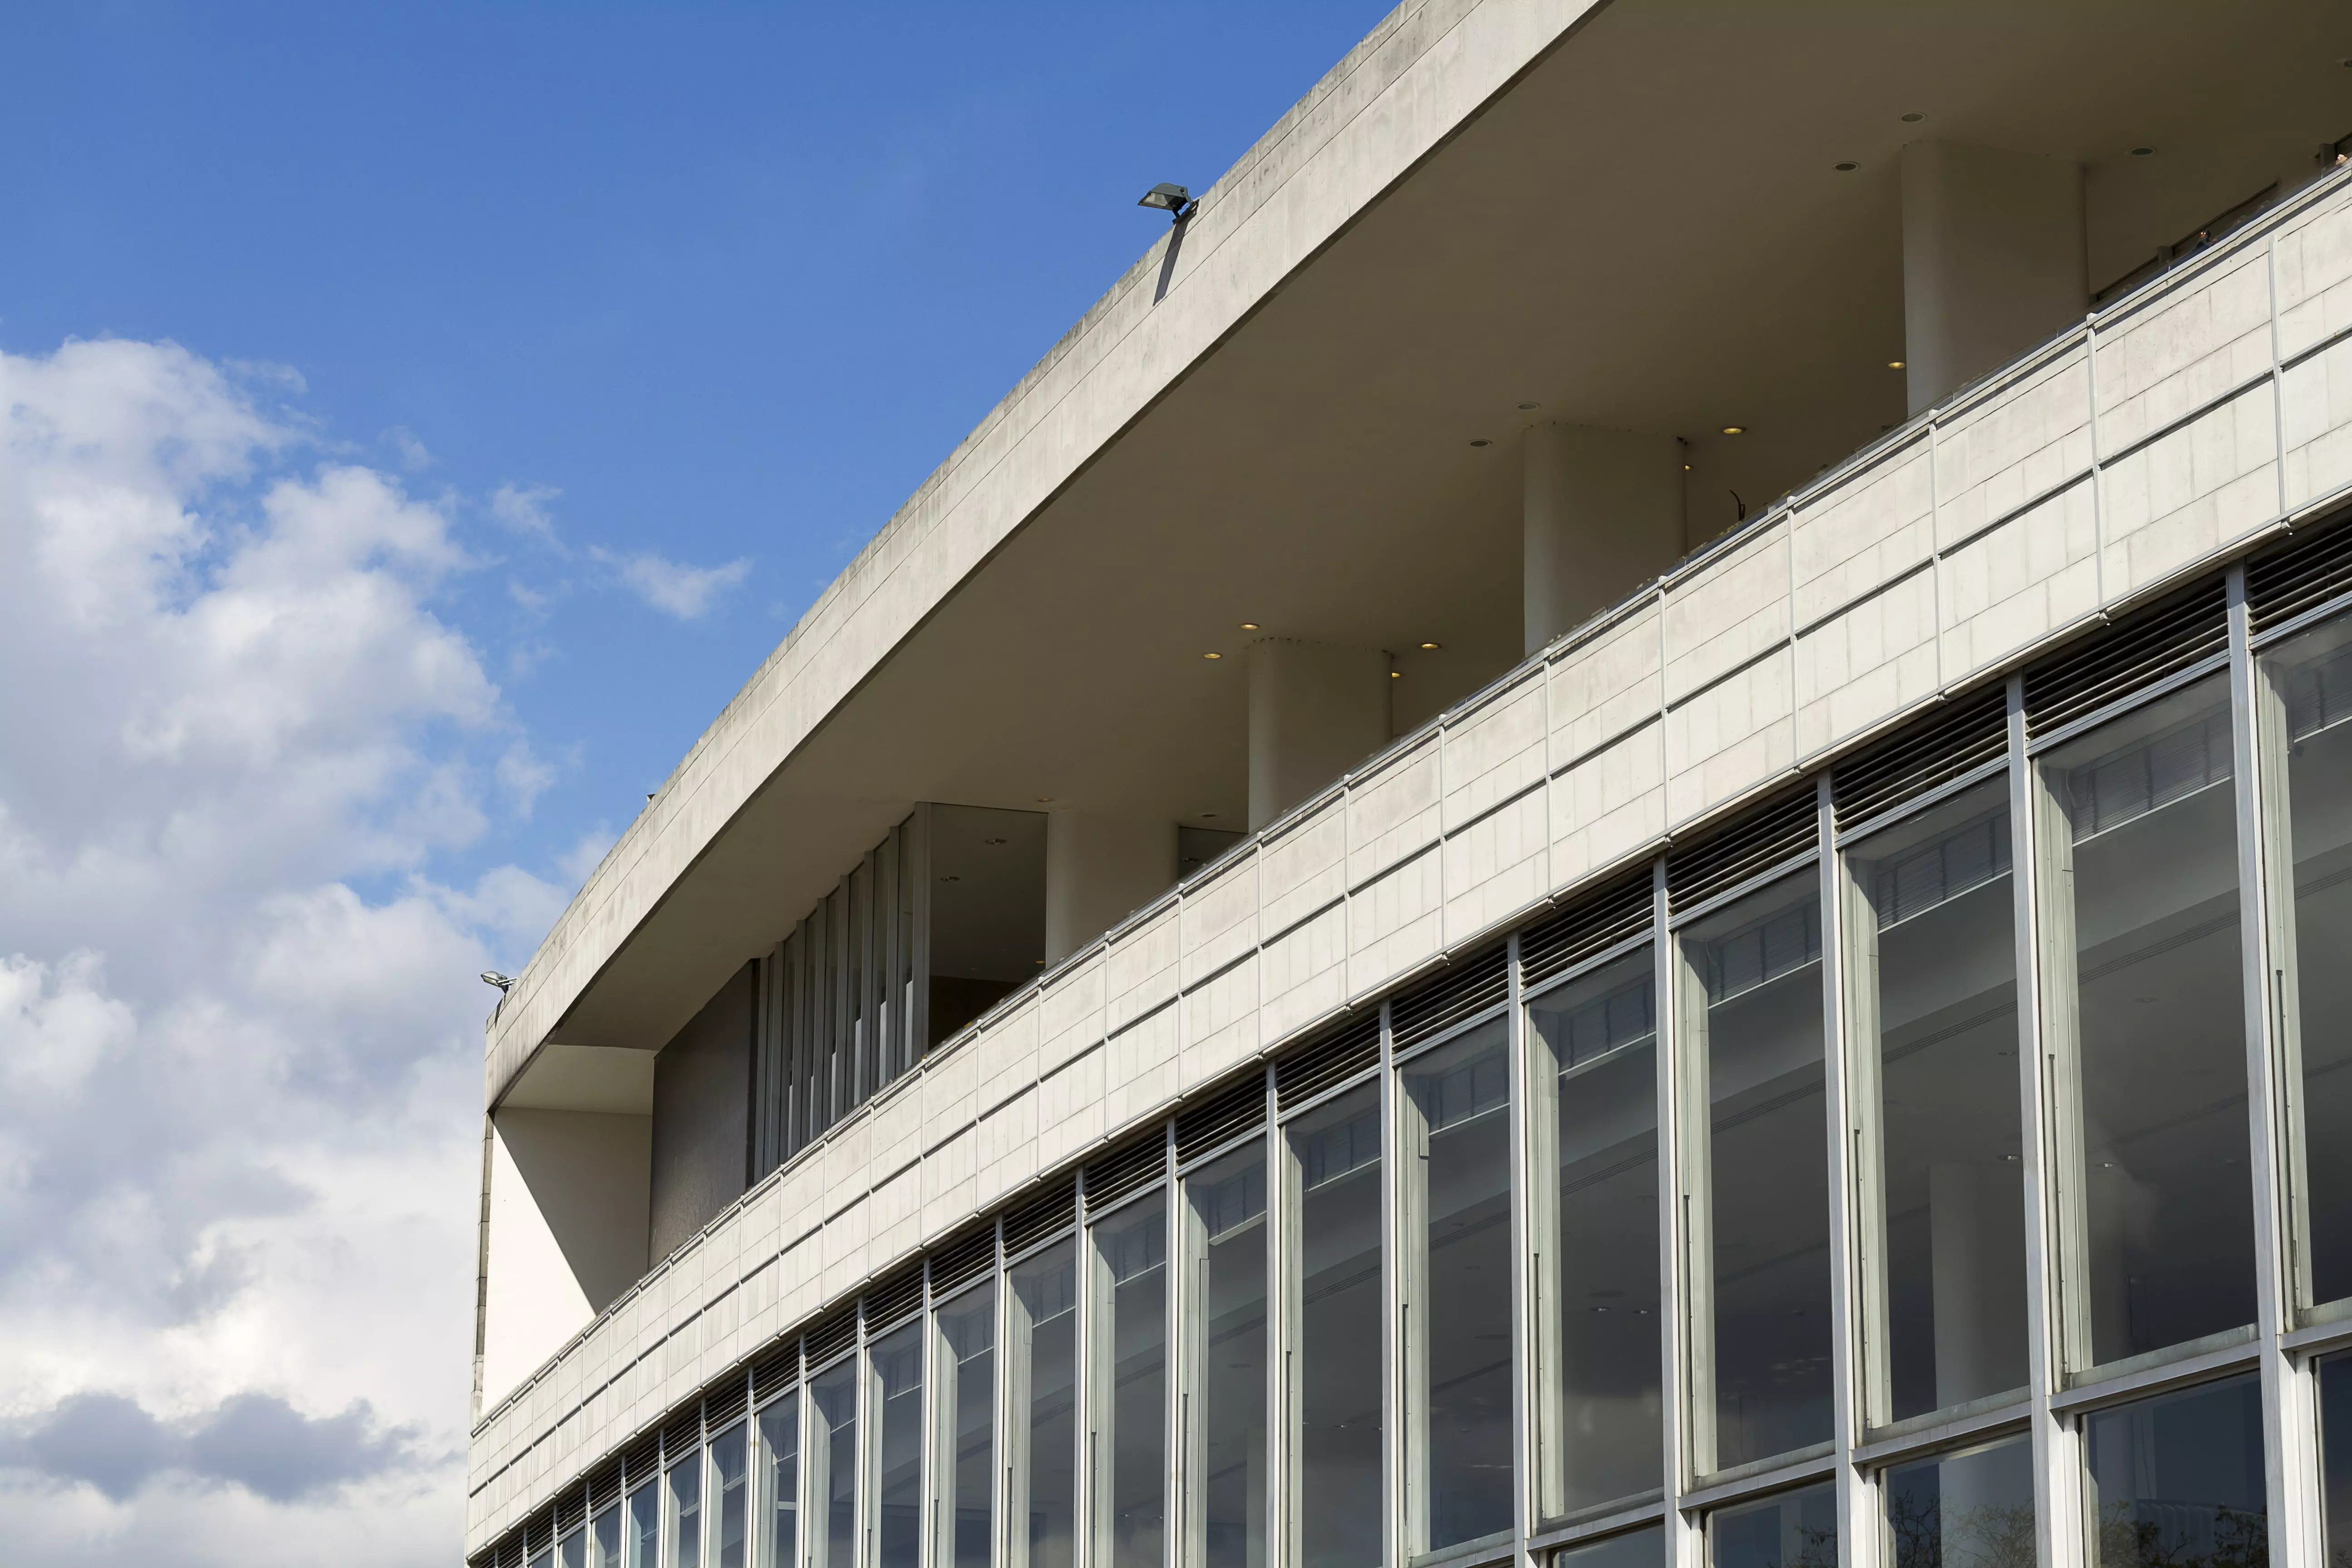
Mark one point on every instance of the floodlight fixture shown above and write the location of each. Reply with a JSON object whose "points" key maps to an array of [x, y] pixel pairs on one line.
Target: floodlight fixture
{"points": [[505, 982], [1174, 200]]}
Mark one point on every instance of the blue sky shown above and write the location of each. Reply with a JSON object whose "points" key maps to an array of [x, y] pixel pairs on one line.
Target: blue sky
{"points": [[729, 279], [415, 424]]}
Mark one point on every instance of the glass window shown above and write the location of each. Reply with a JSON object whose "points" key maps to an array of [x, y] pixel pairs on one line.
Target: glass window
{"points": [[1789, 1530], [683, 1507], [572, 1551], [2177, 1481], [731, 1511], [1758, 1183], [780, 1461], [2310, 685], [968, 1391], [2335, 1455], [1964, 1510], [833, 1467], [2161, 1222], [1337, 1152], [604, 1539], [641, 1531], [1643, 1548], [1224, 1206], [1935, 1032], [898, 1474], [1598, 1341], [1458, 1309], [1041, 1373], [1131, 1398], [544, 1557]]}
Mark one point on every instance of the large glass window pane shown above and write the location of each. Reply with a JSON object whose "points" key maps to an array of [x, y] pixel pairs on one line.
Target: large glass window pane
{"points": [[1336, 1151], [604, 1539], [1225, 1312], [683, 1509], [898, 1467], [731, 1501], [572, 1551], [1964, 1510], [1597, 1271], [1131, 1398], [1643, 1548], [1041, 1373], [2312, 679], [2336, 1456], [1758, 1189], [1457, 1130], [641, 1529], [1789, 1530], [968, 1391], [1935, 1025], [2162, 1217], [2177, 1481], [833, 1467], [779, 1459], [544, 1557]]}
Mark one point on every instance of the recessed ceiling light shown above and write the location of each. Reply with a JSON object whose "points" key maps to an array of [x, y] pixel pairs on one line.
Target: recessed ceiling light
{"points": [[1212, 655], [2143, 152], [1429, 645], [1249, 625], [1045, 800], [1735, 429], [1396, 675], [1913, 118], [1895, 364], [1524, 406], [1847, 168], [1482, 441], [1687, 468]]}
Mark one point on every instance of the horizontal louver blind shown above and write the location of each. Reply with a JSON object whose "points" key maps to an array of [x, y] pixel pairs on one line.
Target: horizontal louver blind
{"points": [[1044, 1217], [2136, 652], [682, 1432], [2305, 573], [1964, 736], [1221, 1118], [828, 1337], [1772, 836], [962, 1260], [1462, 992], [776, 1372], [723, 1404], [571, 1511], [895, 1295], [1126, 1170], [1333, 1059], [604, 1485], [641, 1461], [1594, 925]]}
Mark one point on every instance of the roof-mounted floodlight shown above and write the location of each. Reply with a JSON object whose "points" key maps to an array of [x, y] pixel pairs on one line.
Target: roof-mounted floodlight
{"points": [[1174, 200], [503, 981]]}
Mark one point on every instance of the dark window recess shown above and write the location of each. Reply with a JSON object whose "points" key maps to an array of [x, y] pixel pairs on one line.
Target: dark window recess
{"points": [[829, 1337], [1220, 1117], [604, 1485], [1774, 835], [776, 1372], [571, 1511], [2204, 237], [1460, 993], [2180, 634], [1329, 1061], [893, 1297], [1966, 734], [1197, 849], [2306, 572], [959, 1262], [643, 1460], [724, 1404], [682, 1433], [1126, 1170], [1042, 1217], [1592, 925]]}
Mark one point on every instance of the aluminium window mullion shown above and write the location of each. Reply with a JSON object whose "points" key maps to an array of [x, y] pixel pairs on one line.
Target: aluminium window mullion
{"points": [[1405, 1522], [1547, 1450], [1526, 1499], [1859, 1530], [1686, 1538]]}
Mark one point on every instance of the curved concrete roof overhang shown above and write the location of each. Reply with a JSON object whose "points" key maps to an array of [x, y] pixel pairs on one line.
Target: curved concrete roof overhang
{"points": [[1271, 418]]}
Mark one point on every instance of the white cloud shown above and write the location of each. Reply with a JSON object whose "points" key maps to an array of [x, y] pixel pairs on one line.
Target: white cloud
{"points": [[523, 509], [674, 589], [413, 455], [239, 1092]]}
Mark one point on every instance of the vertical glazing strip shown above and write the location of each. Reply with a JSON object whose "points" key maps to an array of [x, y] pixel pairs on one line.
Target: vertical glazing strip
{"points": [[1188, 1252], [1090, 1528], [2291, 1456], [1686, 1543], [2043, 819], [2058, 1522], [1524, 1514], [1856, 1024], [1408, 1514], [919, 949], [886, 957], [1539, 1179], [1179, 1417], [1412, 1167], [1281, 1219], [1684, 1004], [1857, 1489]]}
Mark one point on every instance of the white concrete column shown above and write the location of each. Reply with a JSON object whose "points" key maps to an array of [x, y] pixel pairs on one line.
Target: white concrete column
{"points": [[1992, 260], [1097, 869], [1314, 712], [1602, 513]]}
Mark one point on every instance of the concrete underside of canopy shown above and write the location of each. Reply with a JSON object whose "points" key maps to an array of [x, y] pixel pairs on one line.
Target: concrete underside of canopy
{"points": [[1644, 230]]}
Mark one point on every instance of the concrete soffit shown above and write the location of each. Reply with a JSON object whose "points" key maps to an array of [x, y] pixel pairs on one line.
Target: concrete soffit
{"points": [[1419, 77]]}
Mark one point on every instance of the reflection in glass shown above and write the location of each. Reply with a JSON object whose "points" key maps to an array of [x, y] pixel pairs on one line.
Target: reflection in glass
{"points": [[780, 1460], [1226, 1205], [684, 1507], [1132, 1410], [2336, 1456], [641, 1529], [1763, 1241], [543, 1557], [1458, 1126], [2177, 1481], [1643, 1548], [898, 1463], [833, 1465], [1598, 1280], [2313, 679], [572, 1551], [968, 1383], [2165, 1223], [1789, 1529], [604, 1539], [731, 1473], [1337, 1147], [1937, 928], [1042, 1379], [1964, 1510]]}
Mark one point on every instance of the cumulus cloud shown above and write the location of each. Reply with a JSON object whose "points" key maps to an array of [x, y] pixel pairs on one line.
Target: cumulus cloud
{"points": [[239, 1034], [685, 592], [523, 509]]}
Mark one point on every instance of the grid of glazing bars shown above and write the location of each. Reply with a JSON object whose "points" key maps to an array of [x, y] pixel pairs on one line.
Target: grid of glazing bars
{"points": [[2060, 1416]]}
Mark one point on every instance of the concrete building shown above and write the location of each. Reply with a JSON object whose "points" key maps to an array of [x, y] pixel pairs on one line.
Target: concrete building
{"points": [[1615, 827]]}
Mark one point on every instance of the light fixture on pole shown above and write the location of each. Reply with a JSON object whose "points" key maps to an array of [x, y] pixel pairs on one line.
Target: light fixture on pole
{"points": [[505, 982], [1174, 200]]}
